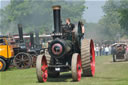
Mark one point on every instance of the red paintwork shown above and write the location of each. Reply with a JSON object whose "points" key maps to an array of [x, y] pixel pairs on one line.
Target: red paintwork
{"points": [[79, 68], [44, 69], [93, 58]]}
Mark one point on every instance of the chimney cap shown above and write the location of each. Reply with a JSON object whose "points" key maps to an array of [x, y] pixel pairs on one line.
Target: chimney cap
{"points": [[56, 7], [20, 25]]}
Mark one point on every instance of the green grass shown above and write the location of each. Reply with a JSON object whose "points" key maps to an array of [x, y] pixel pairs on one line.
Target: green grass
{"points": [[107, 73]]}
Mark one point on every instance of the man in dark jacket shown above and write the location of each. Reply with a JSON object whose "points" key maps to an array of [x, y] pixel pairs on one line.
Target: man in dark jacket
{"points": [[69, 26]]}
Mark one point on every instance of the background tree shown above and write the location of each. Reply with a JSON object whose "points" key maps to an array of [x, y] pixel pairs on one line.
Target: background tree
{"points": [[37, 15], [110, 22], [113, 25], [123, 11]]}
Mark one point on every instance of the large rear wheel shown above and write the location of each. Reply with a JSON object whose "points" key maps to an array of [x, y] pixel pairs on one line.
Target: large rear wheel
{"points": [[88, 57], [76, 67], [41, 68]]}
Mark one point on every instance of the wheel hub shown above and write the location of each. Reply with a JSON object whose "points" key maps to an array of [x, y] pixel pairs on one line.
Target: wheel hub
{"points": [[45, 76], [44, 70], [79, 68], [1, 65]]}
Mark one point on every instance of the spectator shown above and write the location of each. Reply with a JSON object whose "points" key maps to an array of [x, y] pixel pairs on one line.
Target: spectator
{"points": [[106, 50], [97, 50], [103, 50], [110, 50], [100, 51]]}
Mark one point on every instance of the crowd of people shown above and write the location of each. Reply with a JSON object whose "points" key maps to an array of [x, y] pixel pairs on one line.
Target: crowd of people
{"points": [[101, 50]]}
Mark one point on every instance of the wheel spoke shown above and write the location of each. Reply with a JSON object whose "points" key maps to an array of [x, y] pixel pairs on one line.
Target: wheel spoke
{"points": [[22, 60]]}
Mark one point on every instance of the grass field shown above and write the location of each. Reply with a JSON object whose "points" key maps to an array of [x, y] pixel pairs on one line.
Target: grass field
{"points": [[107, 73]]}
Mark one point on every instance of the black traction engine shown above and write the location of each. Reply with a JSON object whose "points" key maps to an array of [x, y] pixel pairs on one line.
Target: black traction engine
{"points": [[64, 52]]}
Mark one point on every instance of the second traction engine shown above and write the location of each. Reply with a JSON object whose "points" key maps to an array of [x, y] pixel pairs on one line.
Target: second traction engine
{"points": [[66, 52]]}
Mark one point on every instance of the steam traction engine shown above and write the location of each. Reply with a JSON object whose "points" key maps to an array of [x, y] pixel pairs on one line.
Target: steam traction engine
{"points": [[66, 52], [26, 57], [22, 59], [119, 52]]}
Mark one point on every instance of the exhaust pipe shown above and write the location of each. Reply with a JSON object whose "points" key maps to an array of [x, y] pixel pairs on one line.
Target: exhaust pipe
{"points": [[37, 37], [21, 40], [57, 18], [32, 40]]}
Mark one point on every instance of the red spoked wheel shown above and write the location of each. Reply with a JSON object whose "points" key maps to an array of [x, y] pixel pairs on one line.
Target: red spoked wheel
{"points": [[76, 67], [41, 68]]}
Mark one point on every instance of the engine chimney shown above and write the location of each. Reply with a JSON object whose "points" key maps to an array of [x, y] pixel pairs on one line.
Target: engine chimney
{"points": [[57, 18], [20, 33], [32, 40], [37, 39]]}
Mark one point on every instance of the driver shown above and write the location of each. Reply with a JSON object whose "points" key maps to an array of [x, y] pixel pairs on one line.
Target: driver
{"points": [[69, 26]]}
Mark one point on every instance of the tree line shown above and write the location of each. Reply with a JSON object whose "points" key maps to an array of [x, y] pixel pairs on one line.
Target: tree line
{"points": [[37, 14], [114, 24]]}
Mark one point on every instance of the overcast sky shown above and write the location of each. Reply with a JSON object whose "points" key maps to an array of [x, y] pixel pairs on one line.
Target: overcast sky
{"points": [[92, 14], [3, 3], [94, 11]]}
